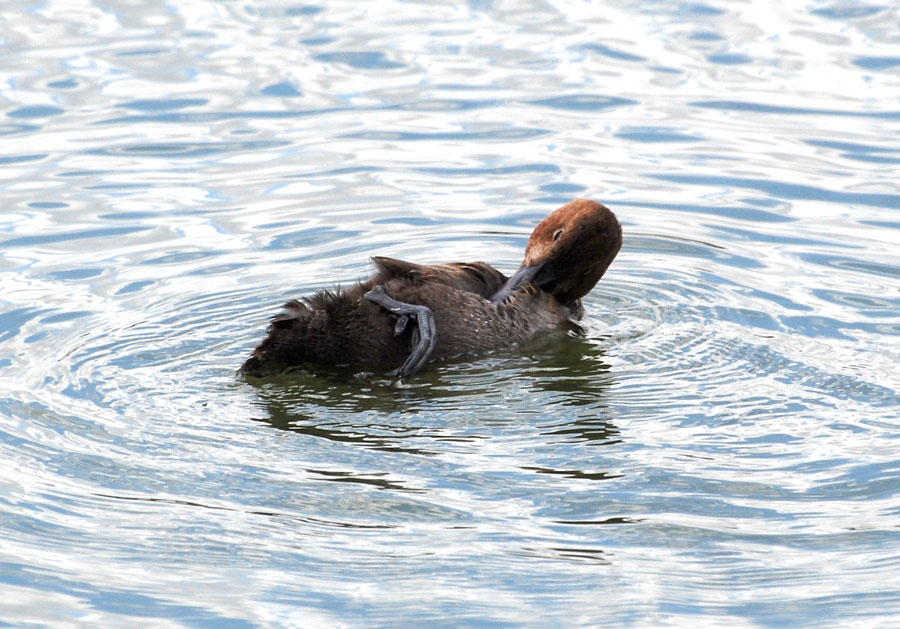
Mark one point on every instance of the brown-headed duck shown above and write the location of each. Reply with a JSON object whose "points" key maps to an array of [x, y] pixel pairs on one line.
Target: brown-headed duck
{"points": [[409, 314]]}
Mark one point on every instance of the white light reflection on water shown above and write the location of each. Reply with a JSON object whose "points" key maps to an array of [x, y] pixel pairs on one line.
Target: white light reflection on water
{"points": [[720, 447]]}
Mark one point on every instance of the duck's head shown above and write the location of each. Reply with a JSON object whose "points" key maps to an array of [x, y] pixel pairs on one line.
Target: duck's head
{"points": [[569, 251]]}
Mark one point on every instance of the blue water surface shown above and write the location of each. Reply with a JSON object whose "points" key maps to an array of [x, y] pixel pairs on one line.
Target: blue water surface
{"points": [[720, 448]]}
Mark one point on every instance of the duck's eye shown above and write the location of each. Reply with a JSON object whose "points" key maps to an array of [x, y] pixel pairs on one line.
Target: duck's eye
{"points": [[557, 234]]}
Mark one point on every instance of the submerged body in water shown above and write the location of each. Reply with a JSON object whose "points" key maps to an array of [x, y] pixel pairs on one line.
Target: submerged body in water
{"points": [[407, 314]]}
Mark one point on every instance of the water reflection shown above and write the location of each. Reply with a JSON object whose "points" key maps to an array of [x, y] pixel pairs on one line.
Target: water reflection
{"points": [[340, 404], [292, 409]]}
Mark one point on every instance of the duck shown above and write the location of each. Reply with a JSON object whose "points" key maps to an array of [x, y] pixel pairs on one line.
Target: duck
{"points": [[408, 315]]}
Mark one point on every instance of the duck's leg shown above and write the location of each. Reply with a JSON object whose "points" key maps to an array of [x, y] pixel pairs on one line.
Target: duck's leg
{"points": [[424, 336]]}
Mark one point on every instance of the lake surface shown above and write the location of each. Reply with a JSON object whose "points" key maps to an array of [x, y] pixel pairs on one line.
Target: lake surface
{"points": [[721, 448]]}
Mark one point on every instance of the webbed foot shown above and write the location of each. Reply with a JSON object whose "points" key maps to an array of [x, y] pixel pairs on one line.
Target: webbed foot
{"points": [[424, 335]]}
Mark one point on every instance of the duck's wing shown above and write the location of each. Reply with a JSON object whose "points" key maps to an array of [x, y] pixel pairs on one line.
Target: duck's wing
{"points": [[474, 277], [478, 277], [392, 267]]}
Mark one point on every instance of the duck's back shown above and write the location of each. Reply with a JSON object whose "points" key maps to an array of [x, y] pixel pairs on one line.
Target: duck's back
{"points": [[479, 278], [344, 328], [330, 328]]}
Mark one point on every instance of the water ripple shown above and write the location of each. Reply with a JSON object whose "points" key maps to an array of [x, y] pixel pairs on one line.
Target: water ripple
{"points": [[727, 420], [765, 108]]}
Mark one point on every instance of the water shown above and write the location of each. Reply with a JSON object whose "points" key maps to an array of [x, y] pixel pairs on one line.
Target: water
{"points": [[720, 448]]}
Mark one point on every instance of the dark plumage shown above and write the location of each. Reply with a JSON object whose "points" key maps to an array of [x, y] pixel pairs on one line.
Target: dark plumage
{"points": [[475, 307]]}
